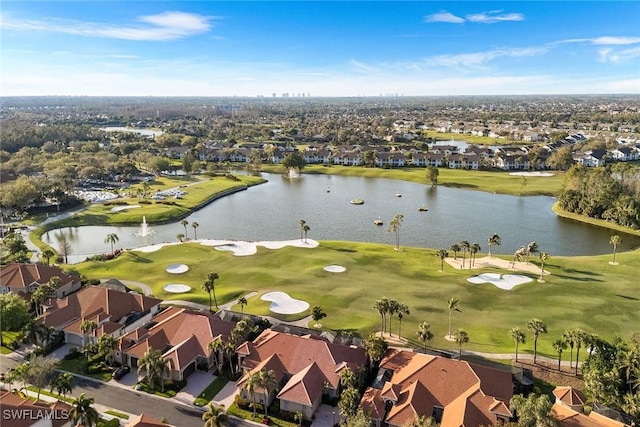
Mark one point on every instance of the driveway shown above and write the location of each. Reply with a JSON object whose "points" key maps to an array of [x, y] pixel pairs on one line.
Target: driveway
{"points": [[326, 416], [227, 394], [196, 383]]}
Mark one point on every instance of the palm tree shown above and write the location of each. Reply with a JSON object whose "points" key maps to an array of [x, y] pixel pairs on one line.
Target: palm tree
{"points": [[348, 379], [268, 382], [534, 410], [615, 241], [195, 226], [317, 313], [543, 257], [180, 237], [40, 295], [209, 286], [215, 416], [382, 306], [376, 347], [107, 344], [518, 337], [453, 306], [306, 229], [403, 310], [424, 333], [394, 226], [47, 254], [302, 223], [460, 336], [494, 240], [216, 346], [242, 301], [184, 223], [568, 336], [532, 249], [87, 327], [253, 381], [464, 246], [455, 248], [83, 413], [442, 254], [298, 417], [392, 309], [578, 335], [62, 384], [559, 346], [112, 238], [155, 366], [538, 327], [474, 249]]}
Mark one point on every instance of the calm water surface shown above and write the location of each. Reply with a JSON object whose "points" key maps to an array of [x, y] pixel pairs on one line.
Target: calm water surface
{"points": [[271, 212]]}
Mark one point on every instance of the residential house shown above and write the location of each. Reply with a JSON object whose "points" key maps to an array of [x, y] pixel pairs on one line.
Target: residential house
{"points": [[568, 409], [23, 412], [591, 158], [435, 160], [176, 152], [455, 393], [390, 159], [624, 154], [182, 336], [115, 313], [143, 420], [24, 279], [306, 368]]}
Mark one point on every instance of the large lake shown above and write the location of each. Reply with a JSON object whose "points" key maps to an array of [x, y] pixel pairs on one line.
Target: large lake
{"points": [[271, 211]]}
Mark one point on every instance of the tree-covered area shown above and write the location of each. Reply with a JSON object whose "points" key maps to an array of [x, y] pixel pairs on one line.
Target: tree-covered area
{"points": [[611, 374], [611, 193]]}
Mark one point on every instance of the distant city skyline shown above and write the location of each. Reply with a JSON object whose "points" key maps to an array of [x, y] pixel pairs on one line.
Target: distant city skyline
{"points": [[323, 49]]}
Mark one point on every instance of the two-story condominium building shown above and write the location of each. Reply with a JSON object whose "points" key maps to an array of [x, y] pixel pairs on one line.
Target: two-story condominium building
{"points": [[24, 279]]}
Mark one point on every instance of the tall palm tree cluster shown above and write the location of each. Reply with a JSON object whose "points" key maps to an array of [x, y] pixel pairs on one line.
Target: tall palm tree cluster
{"points": [[155, 367], [387, 308], [264, 379], [464, 247]]}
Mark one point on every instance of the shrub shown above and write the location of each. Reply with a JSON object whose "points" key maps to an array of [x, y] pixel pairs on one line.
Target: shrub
{"points": [[73, 354]]}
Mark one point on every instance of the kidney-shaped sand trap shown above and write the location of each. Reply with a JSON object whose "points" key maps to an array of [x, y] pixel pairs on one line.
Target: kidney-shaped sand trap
{"points": [[176, 288], [334, 268], [177, 268], [282, 303], [504, 281]]}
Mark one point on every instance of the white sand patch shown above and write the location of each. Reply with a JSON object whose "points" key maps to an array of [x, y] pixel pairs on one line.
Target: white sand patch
{"points": [[242, 248], [334, 268], [494, 262], [536, 173], [176, 288], [156, 247], [177, 268], [282, 303], [502, 281], [123, 208]]}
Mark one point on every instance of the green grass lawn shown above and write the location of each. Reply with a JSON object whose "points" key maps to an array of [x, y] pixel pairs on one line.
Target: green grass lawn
{"points": [[585, 292], [210, 392], [494, 181], [8, 337]]}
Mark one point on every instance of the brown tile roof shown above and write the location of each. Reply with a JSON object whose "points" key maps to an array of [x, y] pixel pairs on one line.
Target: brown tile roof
{"points": [[569, 395], [567, 417], [296, 353], [187, 332], [304, 387], [373, 403], [145, 421], [391, 391], [271, 363], [11, 402], [465, 391], [93, 303], [15, 275]]}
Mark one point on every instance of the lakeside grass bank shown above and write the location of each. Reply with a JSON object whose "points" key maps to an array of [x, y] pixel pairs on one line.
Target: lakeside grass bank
{"points": [[499, 182], [581, 292]]}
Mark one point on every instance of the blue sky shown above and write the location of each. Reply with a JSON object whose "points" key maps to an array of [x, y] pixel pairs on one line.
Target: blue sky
{"points": [[327, 48]]}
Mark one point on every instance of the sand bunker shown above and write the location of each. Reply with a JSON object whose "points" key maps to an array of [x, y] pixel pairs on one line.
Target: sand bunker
{"points": [[177, 268], [124, 208], [282, 303], [531, 173], [176, 288], [502, 281], [240, 248], [333, 268]]}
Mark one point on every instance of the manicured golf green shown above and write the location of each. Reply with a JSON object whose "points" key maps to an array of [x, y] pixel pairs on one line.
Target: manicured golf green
{"points": [[584, 292]]}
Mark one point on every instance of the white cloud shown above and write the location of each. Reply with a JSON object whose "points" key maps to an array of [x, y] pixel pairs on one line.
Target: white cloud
{"points": [[614, 40], [444, 16], [624, 86], [494, 16], [479, 58], [161, 27]]}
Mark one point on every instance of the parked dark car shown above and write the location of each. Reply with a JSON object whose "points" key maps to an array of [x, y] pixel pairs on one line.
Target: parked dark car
{"points": [[120, 372]]}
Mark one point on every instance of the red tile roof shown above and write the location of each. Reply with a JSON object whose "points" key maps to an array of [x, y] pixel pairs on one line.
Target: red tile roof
{"points": [[32, 410], [187, 332], [567, 417], [569, 395], [304, 387], [145, 421], [20, 276], [465, 391]]}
